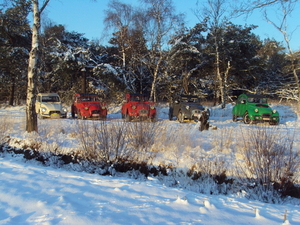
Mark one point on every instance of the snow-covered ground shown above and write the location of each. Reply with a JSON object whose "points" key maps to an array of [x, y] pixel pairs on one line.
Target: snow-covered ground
{"points": [[31, 193]]}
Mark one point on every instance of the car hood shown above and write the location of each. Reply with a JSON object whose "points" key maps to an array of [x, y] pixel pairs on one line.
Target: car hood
{"points": [[263, 108], [52, 106], [195, 106], [91, 105], [140, 106]]}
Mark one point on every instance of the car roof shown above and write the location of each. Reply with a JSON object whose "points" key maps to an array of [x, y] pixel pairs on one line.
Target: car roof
{"points": [[48, 94], [84, 94], [189, 96]]}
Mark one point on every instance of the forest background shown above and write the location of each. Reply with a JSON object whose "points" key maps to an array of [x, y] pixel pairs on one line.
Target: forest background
{"points": [[151, 51]]}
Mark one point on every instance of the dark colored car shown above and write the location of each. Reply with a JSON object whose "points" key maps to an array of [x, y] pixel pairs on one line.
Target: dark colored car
{"points": [[188, 108], [254, 109], [88, 106], [137, 106]]}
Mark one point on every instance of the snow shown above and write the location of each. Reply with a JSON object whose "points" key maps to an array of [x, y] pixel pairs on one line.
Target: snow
{"points": [[31, 193]]}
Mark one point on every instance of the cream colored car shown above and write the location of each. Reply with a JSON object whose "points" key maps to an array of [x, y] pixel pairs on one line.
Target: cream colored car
{"points": [[49, 105]]}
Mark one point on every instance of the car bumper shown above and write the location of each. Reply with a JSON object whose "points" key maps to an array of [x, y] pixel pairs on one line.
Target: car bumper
{"points": [[260, 119]]}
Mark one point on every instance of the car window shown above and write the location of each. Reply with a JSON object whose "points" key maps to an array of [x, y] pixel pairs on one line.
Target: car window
{"points": [[136, 98], [257, 100], [184, 99], [194, 100], [50, 99], [241, 101], [85, 99]]}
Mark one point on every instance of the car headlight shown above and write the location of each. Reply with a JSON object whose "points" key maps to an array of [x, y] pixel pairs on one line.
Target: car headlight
{"points": [[256, 110], [187, 107], [86, 108], [133, 107], [152, 107], [274, 111], [65, 109], [43, 109], [103, 107]]}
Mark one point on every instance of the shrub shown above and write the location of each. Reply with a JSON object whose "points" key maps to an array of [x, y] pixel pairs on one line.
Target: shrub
{"points": [[268, 159]]}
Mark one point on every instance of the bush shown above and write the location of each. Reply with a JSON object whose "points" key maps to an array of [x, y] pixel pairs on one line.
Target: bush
{"points": [[269, 163]]}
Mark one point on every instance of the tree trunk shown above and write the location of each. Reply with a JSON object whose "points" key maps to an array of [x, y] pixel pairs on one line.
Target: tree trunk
{"points": [[31, 117], [225, 85], [219, 77], [12, 92], [153, 86], [83, 80]]}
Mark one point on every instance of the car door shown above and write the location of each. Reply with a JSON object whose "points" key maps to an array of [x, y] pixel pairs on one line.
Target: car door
{"points": [[242, 106], [176, 107]]}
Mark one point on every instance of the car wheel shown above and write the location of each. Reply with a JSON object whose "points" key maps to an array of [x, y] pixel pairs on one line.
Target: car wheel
{"points": [[180, 117], [234, 118], [247, 119], [274, 123], [127, 117], [40, 116]]}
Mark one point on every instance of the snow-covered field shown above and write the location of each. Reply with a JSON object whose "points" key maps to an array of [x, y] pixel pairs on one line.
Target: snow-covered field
{"points": [[31, 193]]}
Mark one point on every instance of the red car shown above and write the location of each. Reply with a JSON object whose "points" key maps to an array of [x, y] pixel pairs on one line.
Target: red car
{"points": [[88, 106], [137, 106]]}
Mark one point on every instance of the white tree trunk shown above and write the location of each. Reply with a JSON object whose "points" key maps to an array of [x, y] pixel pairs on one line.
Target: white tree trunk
{"points": [[219, 77], [31, 117]]}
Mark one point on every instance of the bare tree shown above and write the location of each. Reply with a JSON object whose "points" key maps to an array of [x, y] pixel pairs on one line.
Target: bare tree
{"points": [[246, 7], [161, 21], [119, 17], [286, 8], [215, 10]]}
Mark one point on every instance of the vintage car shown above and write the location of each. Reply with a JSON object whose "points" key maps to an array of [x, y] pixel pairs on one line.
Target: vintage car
{"points": [[188, 108], [88, 106], [254, 109], [137, 106], [48, 105]]}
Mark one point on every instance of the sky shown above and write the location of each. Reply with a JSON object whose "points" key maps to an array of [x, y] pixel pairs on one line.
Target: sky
{"points": [[87, 16]]}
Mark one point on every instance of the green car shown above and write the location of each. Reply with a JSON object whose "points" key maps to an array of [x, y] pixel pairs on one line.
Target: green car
{"points": [[254, 109]]}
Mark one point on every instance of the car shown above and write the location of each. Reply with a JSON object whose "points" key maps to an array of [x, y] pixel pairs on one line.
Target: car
{"points": [[137, 106], [49, 105], [253, 108], [188, 108], [88, 106]]}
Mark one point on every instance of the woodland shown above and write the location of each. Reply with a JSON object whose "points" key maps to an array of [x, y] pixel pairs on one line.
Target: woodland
{"points": [[149, 51]]}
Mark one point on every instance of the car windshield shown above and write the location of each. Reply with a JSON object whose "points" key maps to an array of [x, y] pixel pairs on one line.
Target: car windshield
{"points": [[88, 98], [136, 98], [195, 100], [257, 100], [50, 99], [187, 99]]}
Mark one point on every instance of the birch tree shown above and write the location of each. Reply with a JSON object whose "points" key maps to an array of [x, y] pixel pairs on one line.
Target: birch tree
{"points": [[286, 8], [161, 22], [31, 117], [215, 11]]}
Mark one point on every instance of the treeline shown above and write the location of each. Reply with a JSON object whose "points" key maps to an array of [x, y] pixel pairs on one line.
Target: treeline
{"points": [[150, 51]]}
